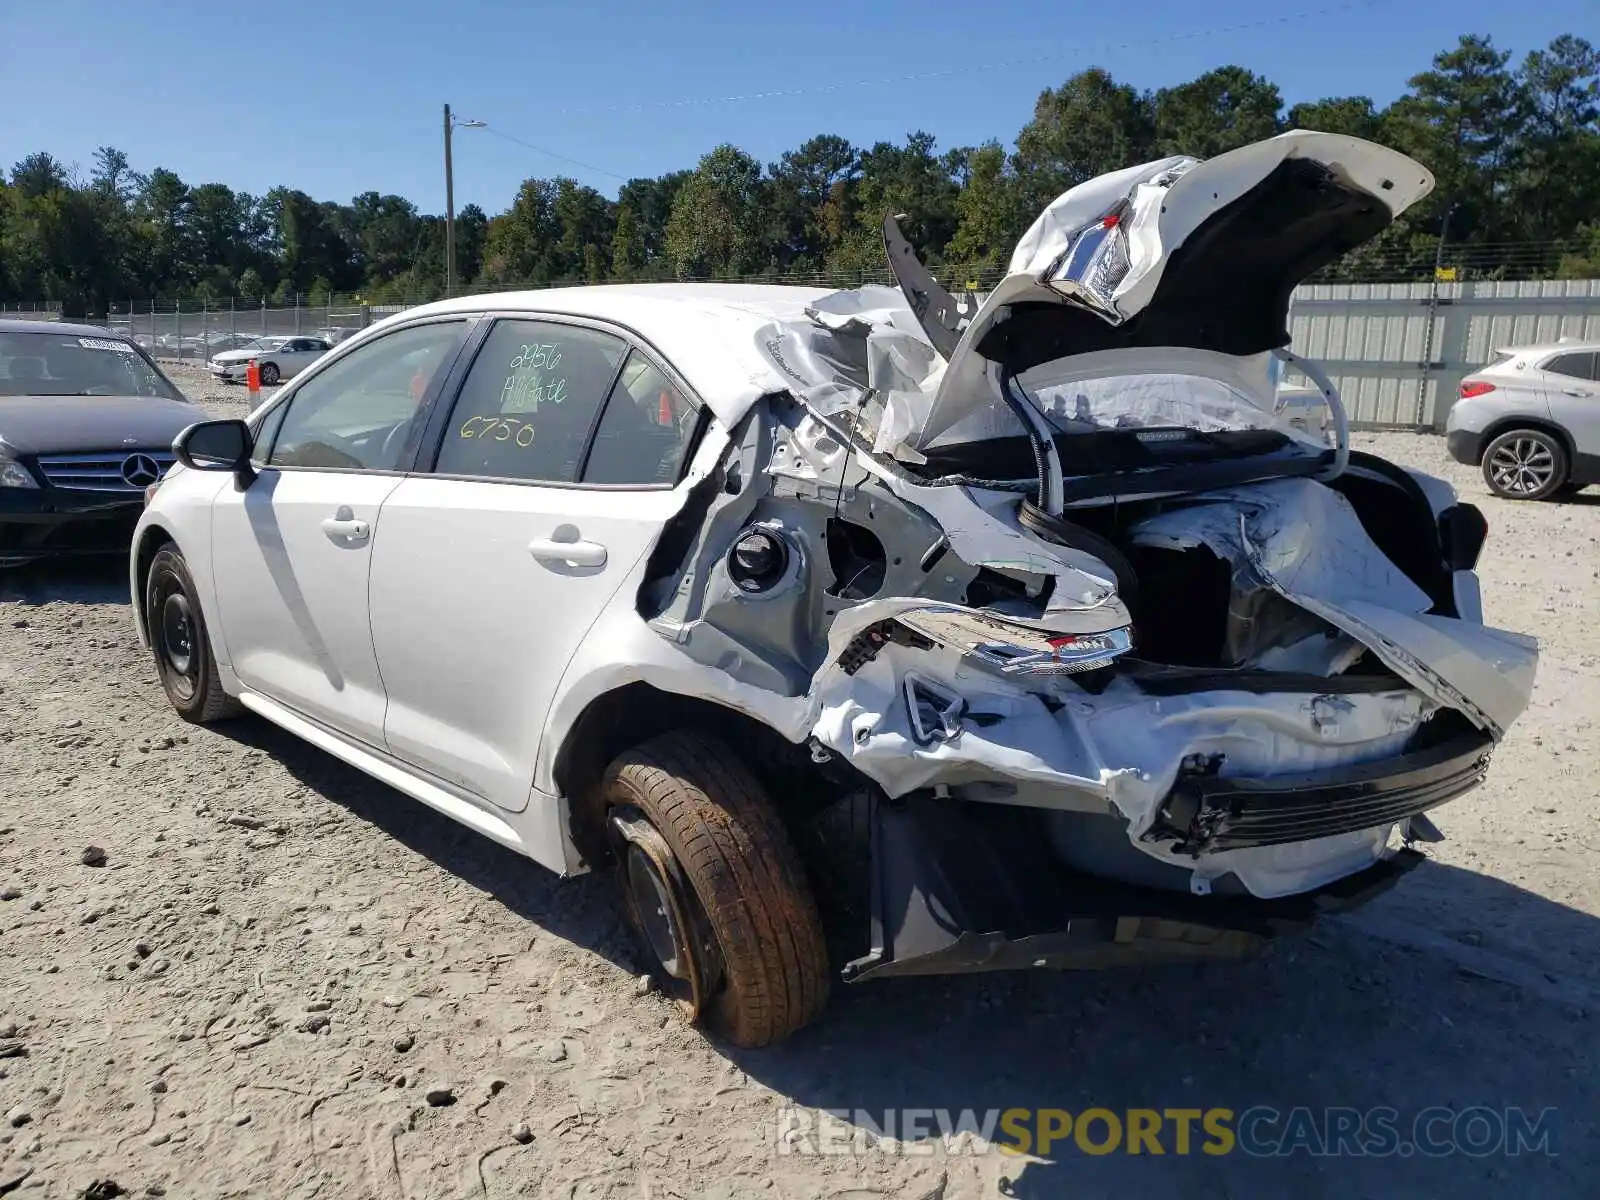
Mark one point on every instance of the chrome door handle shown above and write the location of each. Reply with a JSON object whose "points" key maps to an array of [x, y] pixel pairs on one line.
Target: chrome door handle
{"points": [[346, 529], [571, 554], [1573, 392]]}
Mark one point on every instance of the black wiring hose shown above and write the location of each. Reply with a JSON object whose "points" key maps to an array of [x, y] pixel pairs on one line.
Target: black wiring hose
{"points": [[1064, 533], [1018, 405]]}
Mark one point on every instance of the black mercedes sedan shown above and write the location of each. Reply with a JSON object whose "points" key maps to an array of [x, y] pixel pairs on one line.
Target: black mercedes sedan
{"points": [[87, 421]]}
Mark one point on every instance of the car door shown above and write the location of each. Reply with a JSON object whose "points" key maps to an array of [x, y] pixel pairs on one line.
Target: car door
{"points": [[297, 355], [291, 552], [553, 474], [1572, 390]]}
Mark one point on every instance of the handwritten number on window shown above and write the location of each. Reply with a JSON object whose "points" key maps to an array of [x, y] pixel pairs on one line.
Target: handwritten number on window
{"points": [[545, 354], [498, 428]]}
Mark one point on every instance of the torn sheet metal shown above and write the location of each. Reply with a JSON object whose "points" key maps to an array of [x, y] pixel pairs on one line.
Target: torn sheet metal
{"points": [[1306, 542], [978, 523], [1116, 753]]}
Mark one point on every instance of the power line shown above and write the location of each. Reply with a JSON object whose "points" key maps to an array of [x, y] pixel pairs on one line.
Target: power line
{"points": [[552, 154], [917, 76], [1008, 64]]}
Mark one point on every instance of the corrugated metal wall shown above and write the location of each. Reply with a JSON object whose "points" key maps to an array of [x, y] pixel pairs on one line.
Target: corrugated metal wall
{"points": [[1397, 353]]}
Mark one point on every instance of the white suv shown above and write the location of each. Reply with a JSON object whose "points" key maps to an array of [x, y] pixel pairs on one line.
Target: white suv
{"points": [[867, 634], [1531, 420]]}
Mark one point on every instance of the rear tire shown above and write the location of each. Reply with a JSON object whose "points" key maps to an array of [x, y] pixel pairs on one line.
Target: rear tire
{"points": [[269, 374], [714, 890], [185, 663], [1525, 464]]}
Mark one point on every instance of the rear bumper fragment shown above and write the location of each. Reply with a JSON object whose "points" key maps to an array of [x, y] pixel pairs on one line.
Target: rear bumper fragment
{"points": [[965, 887], [1207, 813]]}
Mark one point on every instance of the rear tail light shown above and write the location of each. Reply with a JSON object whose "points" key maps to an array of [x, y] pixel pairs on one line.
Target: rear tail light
{"points": [[1475, 387], [1013, 648]]}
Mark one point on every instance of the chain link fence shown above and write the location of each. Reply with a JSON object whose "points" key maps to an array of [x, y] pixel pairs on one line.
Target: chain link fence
{"points": [[195, 332], [1396, 351]]}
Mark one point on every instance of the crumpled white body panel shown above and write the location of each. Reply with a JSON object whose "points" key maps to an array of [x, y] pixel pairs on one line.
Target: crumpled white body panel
{"points": [[1121, 751], [1161, 218], [1306, 542]]}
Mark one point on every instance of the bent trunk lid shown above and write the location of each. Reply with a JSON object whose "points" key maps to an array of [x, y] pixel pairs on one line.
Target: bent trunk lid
{"points": [[1179, 252]]}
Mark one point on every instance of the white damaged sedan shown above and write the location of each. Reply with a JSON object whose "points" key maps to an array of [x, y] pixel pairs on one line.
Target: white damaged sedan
{"points": [[873, 633]]}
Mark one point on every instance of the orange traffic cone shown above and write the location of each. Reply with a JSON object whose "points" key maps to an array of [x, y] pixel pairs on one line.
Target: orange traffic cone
{"points": [[664, 411], [252, 378]]}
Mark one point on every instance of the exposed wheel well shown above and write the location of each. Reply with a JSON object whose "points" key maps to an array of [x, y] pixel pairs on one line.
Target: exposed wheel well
{"points": [[1507, 424], [637, 712], [151, 541]]}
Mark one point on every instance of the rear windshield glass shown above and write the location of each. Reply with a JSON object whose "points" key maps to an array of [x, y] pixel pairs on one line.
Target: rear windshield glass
{"points": [[1161, 401], [55, 364]]}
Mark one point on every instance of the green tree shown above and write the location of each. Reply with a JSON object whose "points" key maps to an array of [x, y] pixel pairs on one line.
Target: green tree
{"points": [[161, 216], [627, 248], [472, 231], [1353, 116], [312, 244], [989, 217], [38, 175], [388, 233], [112, 174], [716, 224], [1220, 111], [651, 201], [806, 189], [520, 246], [907, 179], [251, 285], [1089, 125], [1554, 187], [1462, 120], [586, 218]]}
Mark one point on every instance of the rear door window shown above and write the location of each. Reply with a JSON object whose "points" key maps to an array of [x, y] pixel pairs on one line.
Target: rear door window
{"points": [[646, 429], [530, 402], [1573, 366]]}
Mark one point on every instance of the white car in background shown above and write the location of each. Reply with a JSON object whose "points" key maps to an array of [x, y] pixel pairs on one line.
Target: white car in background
{"points": [[860, 635], [279, 358], [1530, 419]]}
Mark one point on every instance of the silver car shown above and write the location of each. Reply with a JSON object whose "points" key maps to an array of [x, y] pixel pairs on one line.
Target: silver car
{"points": [[1531, 419], [279, 358]]}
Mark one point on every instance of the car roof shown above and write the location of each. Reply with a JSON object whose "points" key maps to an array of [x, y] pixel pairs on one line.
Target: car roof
{"points": [[707, 331], [1569, 345], [62, 327]]}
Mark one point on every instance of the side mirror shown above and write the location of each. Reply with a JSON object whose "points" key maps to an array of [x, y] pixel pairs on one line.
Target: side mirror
{"points": [[217, 446]]}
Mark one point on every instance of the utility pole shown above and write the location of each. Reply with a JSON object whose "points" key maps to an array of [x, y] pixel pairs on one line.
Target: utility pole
{"points": [[449, 212], [1433, 318], [450, 201]]}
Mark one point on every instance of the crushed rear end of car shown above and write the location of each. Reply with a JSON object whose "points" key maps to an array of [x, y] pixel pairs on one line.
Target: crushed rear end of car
{"points": [[1095, 655]]}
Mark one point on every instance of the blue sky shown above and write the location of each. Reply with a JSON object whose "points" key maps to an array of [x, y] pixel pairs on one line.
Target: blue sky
{"points": [[345, 96]]}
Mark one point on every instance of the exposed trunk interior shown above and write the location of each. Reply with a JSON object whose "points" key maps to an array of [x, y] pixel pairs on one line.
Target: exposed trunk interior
{"points": [[1195, 611]]}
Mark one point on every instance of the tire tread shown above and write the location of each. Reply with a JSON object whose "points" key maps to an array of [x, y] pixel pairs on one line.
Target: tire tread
{"points": [[746, 875]]}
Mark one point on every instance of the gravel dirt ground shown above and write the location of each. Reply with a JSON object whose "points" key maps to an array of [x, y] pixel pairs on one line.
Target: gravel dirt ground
{"points": [[278, 978]]}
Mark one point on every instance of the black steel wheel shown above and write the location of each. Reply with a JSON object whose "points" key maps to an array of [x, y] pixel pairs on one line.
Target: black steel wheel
{"points": [[179, 641]]}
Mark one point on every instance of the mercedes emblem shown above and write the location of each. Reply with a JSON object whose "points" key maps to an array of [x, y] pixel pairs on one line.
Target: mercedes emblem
{"points": [[140, 470]]}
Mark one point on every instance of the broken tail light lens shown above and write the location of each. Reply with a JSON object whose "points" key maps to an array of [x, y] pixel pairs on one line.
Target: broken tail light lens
{"points": [[1093, 265], [1475, 387], [1015, 649]]}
